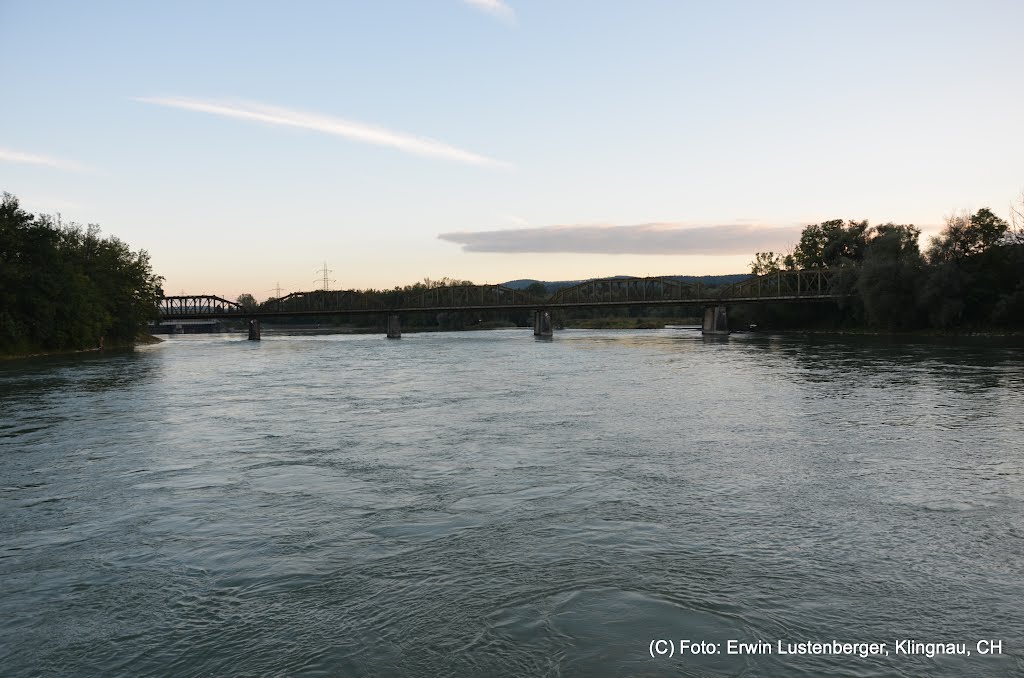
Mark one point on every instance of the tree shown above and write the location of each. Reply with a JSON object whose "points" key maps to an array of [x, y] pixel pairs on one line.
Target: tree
{"points": [[976, 266], [64, 287], [1015, 235], [537, 290], [894, 241], [765, 263], [890, 277], [967, 235], [247, 301], [942, 295], [14, 224], [429, 284], [831, 244]]}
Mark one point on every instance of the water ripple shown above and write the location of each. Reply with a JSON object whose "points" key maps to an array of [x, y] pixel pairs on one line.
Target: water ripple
{"points": [[483, 504]]}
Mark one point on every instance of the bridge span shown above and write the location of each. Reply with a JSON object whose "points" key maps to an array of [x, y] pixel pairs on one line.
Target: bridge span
{"points": [[781, 287]]}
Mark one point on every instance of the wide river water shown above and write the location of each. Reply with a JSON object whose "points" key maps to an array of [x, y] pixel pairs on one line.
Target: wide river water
{"points": [[484, 504]]}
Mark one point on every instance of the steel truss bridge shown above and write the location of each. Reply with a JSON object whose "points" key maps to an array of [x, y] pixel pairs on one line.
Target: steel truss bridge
{"points": [[785, 286]]}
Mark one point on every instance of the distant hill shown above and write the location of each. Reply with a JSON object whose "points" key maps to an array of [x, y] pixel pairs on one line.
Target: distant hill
{"points": [[555, 285]]}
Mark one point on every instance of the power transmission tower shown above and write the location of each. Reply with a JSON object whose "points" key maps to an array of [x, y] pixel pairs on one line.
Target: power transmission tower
{"points": [[326, 280], [276, 289]]}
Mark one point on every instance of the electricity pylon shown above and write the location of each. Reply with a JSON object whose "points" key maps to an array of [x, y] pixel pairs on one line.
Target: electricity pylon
{"points": [[326, 280]]}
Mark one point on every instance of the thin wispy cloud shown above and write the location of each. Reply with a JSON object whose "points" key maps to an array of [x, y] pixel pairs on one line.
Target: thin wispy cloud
{"points": [[495, 8], [340, 127], [514, 220], [665, 238], [18, 157]]}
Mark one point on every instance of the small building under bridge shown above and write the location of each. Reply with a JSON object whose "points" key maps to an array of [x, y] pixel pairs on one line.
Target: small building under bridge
{"points": [[193, 326]]}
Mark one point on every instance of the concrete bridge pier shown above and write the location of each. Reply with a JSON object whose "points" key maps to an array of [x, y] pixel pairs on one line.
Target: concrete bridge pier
{"points": [[542, 325], [716, 321], [394, 327], [254, 329]]}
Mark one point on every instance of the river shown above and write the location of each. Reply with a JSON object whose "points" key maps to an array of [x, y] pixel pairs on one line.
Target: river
{"points": [[484, 504]]}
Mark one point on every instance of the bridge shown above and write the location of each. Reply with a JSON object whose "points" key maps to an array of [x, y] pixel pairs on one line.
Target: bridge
{"points": [[779, 287]]}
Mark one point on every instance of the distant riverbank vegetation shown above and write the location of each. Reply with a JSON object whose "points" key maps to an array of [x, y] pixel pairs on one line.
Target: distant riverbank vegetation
{"points": [[63, 287], [584, 318], [970, 277], [459, 320]]}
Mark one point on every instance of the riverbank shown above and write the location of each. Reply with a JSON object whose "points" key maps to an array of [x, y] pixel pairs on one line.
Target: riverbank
{"points": [[142, 339], [865, 332]]}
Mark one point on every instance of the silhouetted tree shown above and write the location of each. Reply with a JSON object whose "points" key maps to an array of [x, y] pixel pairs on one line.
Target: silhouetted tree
{"points": [[64, 287], [766, 262], [831, 244], [890, 278], [1015, 234], [537, 290], [247, 301], [967, 235]]}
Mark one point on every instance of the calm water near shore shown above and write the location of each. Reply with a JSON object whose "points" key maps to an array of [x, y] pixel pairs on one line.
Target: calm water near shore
{"points": [[484, 504]]}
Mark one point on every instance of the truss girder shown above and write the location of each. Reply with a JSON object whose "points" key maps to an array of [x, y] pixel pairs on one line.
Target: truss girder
{"points": [[320, 301], [468, 296], [629, 290], [783, 285], [195, 305]]}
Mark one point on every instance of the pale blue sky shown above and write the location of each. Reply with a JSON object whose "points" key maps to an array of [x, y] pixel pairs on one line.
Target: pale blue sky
{"points": [[244, 143]]}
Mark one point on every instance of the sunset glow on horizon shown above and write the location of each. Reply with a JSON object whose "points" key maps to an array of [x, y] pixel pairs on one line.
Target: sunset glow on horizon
{"points": [[490, 141]]}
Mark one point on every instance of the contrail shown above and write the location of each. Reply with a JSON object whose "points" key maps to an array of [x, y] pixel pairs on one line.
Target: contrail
{"points": [[349, 129], [8, 155]]}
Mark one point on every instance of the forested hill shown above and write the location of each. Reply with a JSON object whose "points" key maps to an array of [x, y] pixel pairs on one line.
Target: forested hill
{"points": [[554, 286], [64, 288]]}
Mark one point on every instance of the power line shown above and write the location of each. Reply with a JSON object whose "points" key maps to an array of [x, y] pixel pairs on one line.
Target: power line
{"points": [[326, 281]]}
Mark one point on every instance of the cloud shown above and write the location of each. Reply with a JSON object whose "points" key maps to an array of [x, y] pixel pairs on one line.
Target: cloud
{"points": [[514, 220], [7, 155], [494, 7], [670, 238], [349, 129]]}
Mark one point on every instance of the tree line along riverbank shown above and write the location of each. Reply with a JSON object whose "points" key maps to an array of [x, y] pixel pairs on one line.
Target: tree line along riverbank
{"points": [[969, 278], [65, 288]]}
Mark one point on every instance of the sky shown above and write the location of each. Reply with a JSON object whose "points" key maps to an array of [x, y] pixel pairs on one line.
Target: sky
{"points": [[246, 144]]}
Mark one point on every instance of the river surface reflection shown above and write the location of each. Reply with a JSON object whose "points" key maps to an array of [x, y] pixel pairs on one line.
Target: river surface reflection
{"points": [[485, 504]]}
